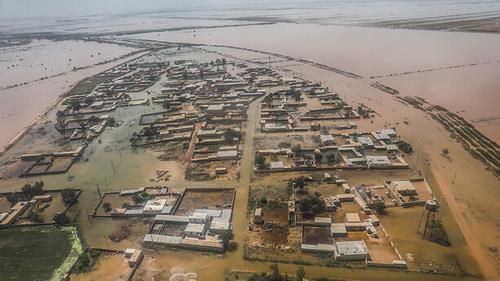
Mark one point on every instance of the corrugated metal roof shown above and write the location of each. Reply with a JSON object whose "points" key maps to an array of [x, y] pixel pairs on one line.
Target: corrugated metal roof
{"points": [[209, 212], [162, 239], [172, 218]]}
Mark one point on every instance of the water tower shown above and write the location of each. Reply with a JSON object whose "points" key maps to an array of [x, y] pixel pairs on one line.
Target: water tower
{"points": [[430, 210]]}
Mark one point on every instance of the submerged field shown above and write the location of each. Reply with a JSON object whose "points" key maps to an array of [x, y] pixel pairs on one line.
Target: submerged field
{"points": [[38, 253]]}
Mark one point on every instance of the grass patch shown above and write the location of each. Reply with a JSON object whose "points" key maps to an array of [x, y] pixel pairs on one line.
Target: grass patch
{"points": [[37, 253], [86, 86]]}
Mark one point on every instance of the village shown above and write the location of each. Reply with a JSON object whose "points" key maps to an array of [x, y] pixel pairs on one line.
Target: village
{"points": [[294, 150]]}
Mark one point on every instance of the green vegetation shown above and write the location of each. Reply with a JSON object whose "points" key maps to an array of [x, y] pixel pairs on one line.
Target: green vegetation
{"points": [[29, 190], [380, 208], [86, 86], [37, 253], [260, 161], [61, 219], [86, 261], [439, 235], [106, 206], [312, 205], [68, 196], [34, 216], [230, 135], [405, 147]]}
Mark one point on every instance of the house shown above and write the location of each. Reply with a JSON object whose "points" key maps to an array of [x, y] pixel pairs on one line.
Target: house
{"points": [[220, 170], [136, 258], [323, 220], [276, 165], [365, 141], [215, 109], [338, 230], [346, 197], [331, 203], [374, 220], [327, 140], [227, 155], [198, 218], [351, 250], [195, 229], [155, 205], [258, 216], [378, 161], [404, 188], [42, 198]]}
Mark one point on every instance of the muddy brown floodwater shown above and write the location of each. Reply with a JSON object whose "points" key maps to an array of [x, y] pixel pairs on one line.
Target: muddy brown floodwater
{"points": [[20, 106]]}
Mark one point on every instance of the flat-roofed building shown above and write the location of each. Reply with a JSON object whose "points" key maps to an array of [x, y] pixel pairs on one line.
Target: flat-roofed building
{"points": [[352, 217], [351, 250], [338, 230], [404, 188]]}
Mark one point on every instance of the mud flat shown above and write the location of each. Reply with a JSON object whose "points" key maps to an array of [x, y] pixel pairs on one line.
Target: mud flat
{"points": [[489, 22], [471, 92]]}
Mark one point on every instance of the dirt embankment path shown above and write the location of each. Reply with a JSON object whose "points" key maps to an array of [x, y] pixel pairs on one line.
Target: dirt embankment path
{"points": [[488, 269]]}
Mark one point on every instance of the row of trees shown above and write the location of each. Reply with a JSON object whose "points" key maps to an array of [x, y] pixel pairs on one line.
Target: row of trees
{"points": [[275, 275]]}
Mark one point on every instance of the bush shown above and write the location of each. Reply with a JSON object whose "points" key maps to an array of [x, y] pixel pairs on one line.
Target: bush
{"points": [[106, 206], [29, 190], [312, 205], [405, 147], [61, 219], [260, 161], [68, 196], [439, 234], [230, 135]]}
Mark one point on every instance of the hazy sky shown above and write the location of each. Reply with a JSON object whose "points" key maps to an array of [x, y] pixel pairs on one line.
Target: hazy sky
{"points": [[50, 8]]}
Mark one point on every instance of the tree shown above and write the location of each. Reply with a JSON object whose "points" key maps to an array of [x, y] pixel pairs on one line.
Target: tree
{"points": [[230, 135], [61, 219], [137, 199], [260, 161], [297, 149], [68, 196], [106, 206], [312, 205], [300, 274], [34, 216], [226, 237], [275, 273], [380, 207], [111, 122], [405, 147], [75, 105], [318, 156], [29, 190], [332, 158], [300, 182], [93, 119]]}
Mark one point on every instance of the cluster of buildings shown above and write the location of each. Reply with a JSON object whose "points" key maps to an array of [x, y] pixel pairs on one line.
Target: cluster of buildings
{"points": [[195, 224], [372, 150]]}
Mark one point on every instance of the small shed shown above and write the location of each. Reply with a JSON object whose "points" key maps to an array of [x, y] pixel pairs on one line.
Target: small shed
{"points": [[258, 216]]}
